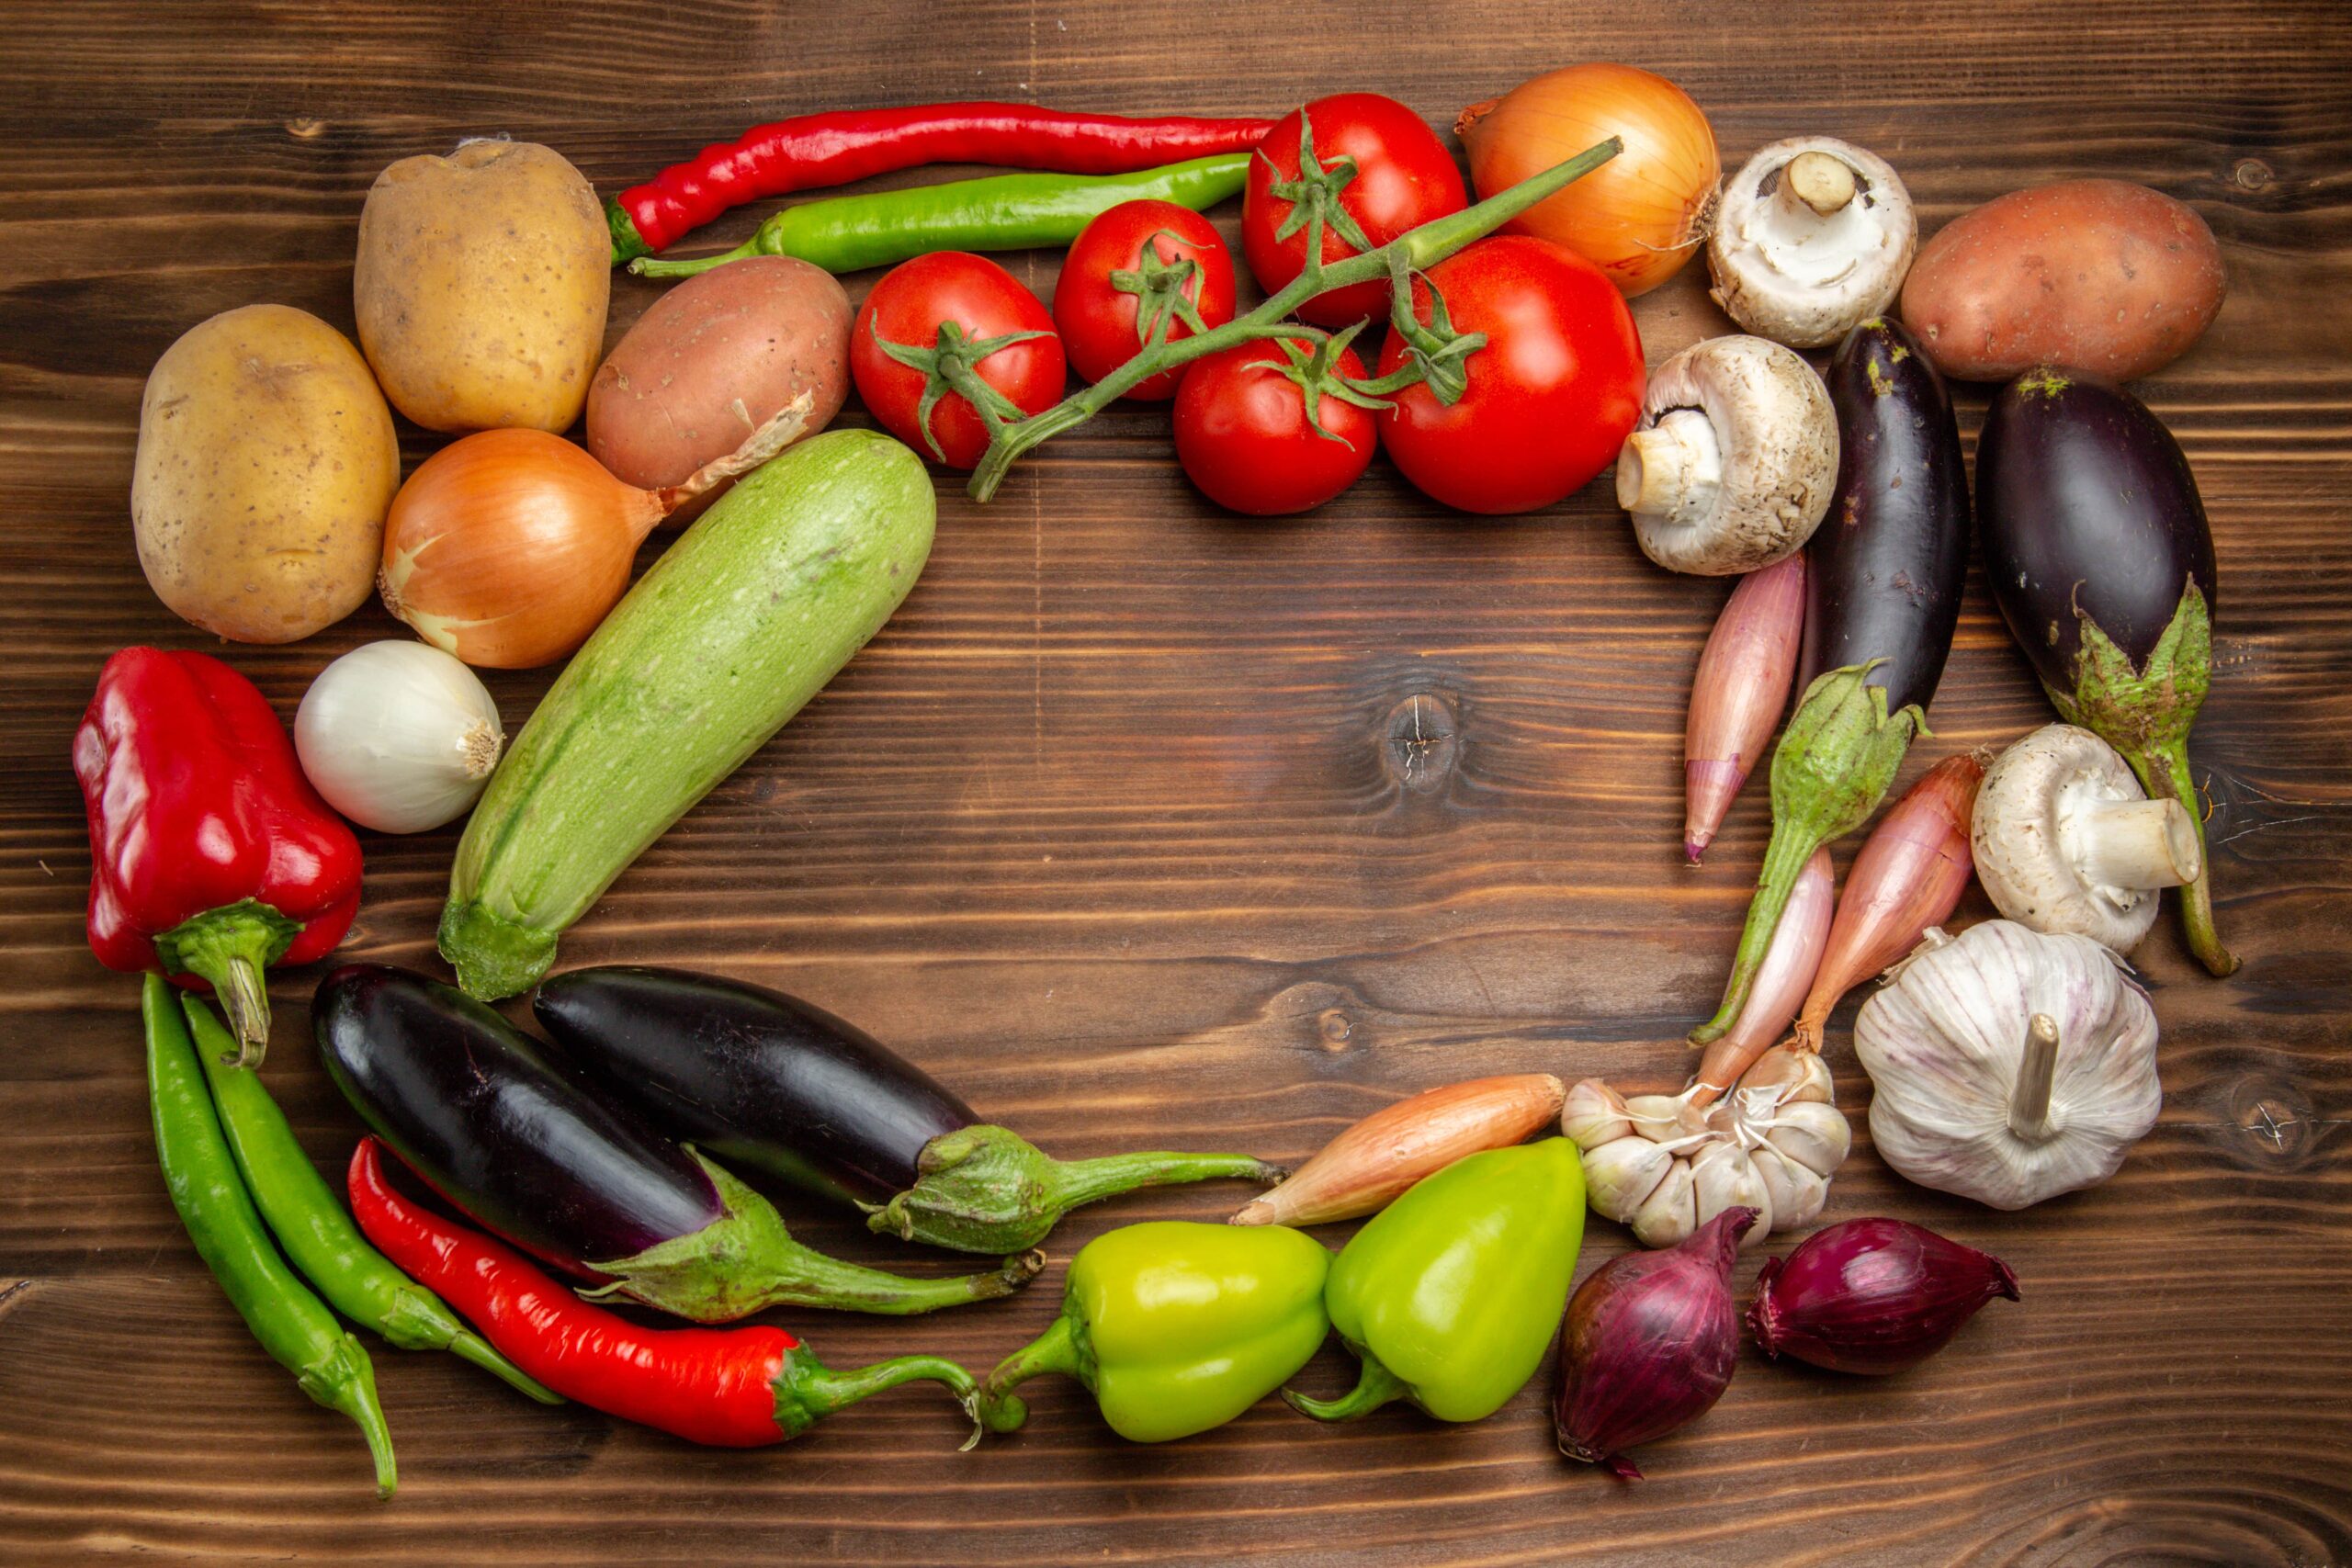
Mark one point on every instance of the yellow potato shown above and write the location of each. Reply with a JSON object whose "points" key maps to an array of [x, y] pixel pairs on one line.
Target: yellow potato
{"points": [[266, 461], [481, 287]]}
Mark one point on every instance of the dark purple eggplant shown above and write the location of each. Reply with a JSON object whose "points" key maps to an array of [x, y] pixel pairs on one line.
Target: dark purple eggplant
{"points": [[532, 1153], [772, 1084], [2100, 558], [1884, 575]]}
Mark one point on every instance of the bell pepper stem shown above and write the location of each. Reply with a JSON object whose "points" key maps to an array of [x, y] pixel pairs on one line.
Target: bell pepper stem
{"points": [[228, 948], [1375, 1386], [807, 1390], [1061, 1348], [2164, 774]]}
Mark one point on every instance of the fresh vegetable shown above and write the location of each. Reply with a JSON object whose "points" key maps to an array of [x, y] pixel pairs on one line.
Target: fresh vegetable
{"points": [[1781, 982], [1732, 466], [211, 857], [309, 1224], [1812, 238], [1341, 177], [2008, 1066], [1909, 877], [267, 459], [1549, 387], [2064, 839], [1416, 249], [1002, 212], [739, 624], [1642, 217], [1882, 595], [525, 1149], [481, 287], [1449, 1295], [1871, 1296], [711, 364], [1176, 1328], [730, 1388], [1740, 693], [766, 1081], [835, 149], [2098, 553], [1648, 1346], [949, 347], [1143, 272], [292, 1324], [2099, 278], [1373, 1161], [398, 736], [1246, 437]]}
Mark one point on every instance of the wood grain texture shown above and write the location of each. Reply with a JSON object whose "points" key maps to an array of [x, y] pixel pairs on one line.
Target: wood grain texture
{"points": [[1143, 824]]}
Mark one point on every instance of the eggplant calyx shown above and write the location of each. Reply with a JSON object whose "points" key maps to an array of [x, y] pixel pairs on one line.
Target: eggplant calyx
{"points": [[986, 1188], [746, 1260]]}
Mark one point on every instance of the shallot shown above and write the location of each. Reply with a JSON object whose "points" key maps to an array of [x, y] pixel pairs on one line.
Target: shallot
{"points": [[1873, 1296], [1780, 982], [1740, 693]]}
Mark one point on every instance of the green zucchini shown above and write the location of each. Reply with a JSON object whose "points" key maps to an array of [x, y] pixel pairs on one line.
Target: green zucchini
{"points": [[734, 628]]}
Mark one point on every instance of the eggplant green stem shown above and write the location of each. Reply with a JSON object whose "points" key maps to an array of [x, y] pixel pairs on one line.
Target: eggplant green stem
{"points": [[1375, 1386], [1414, 251]]}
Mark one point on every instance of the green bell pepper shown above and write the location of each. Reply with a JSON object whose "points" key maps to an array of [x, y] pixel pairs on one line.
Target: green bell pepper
{"points": [[1177, 1327], [1450, 1295]]}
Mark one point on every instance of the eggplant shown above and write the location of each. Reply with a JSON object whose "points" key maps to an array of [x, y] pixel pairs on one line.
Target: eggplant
{"points": [[533, 1154], [770, 1083], [2100, 558], [1883, 576]]}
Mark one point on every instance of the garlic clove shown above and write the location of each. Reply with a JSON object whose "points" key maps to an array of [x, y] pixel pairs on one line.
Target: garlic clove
{"points": [[1670, 1213], [1798, 1192], [1813, 1135], [1721, 1178], [1620, 1176], [1594, 1114], [1663, 1117]]}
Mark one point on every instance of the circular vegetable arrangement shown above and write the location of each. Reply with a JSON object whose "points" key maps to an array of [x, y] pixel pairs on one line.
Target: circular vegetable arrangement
{"points": [[948, 343]]}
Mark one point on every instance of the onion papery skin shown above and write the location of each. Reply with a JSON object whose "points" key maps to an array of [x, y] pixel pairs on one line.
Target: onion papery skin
{"points": [[1639, 217], [507, 547], [1782, 981], [1873, 1296]]}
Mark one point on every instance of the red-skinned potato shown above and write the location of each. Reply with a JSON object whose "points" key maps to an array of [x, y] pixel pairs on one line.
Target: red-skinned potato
{"points": [[2101, 277], [712, 361]]}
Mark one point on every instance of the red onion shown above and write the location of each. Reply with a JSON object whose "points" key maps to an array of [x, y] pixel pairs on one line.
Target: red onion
{"points": [[1871, 1296], [1648, 1345], [1740, 693]]}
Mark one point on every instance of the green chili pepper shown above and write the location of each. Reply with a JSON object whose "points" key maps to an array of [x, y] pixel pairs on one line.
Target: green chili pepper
{"points": [[1177, 1327], [292, 1324], [1002, 212], [310, 1223], [1450, 1295]]}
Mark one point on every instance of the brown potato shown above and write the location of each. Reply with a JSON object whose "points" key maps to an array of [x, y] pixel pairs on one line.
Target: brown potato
{"points": [[266, 461], [481, 287], [714, 359], [2098, 276]]}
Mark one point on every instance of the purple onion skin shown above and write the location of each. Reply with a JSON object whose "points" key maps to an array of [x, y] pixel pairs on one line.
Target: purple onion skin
{"points": [[1873, 1296], [1648, 1345]]}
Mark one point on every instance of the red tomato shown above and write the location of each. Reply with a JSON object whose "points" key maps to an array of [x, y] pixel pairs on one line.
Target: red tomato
{"points": [[1243, 436], [1552, 395], [1404, 177], [1097, 318], [981, 301]]}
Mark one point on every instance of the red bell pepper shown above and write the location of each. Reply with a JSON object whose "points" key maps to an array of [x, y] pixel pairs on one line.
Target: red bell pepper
{"points": [[211, 856]]}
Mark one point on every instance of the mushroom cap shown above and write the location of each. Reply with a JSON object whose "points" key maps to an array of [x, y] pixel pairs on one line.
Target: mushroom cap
{"points": [[1778, 439], [1807, 284], [2018, 838]]}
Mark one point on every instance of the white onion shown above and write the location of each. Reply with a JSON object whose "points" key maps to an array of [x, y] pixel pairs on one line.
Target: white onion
{"points": [[398, 736]]}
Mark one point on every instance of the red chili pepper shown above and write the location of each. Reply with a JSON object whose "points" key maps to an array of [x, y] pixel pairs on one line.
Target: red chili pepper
{"points": [[735, 1388], [833, 148], [211, 856]]}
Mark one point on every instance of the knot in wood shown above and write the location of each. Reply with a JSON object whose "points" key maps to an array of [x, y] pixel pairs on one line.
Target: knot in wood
{"points": [[2274, 1124], [1332, 1026], [1421, 742]]}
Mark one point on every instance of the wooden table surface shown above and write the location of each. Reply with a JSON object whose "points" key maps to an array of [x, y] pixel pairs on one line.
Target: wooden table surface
{"points": [[1148, 825]]}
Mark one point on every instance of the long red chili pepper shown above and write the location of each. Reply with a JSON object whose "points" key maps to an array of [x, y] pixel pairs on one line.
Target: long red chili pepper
{"points": [[727, 1387], [833, 148]]}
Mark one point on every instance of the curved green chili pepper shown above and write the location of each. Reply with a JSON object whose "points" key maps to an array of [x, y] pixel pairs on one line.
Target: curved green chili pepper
{"points": [[1002, 212], [292, 1324], [311, 1225]]}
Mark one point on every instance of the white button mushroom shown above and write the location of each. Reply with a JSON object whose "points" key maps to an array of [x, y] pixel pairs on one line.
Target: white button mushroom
{"points": [[1814, 239], [1735, 460], [2065, 840]]}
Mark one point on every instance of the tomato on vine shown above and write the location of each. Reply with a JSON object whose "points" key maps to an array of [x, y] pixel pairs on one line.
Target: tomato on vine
{"points": [[1247, 437], [947, 347], [1141, 273]]}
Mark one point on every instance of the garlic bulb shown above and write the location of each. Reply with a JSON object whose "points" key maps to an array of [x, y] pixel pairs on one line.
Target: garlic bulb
{"points": [[2009, 1065], [398, 736]]}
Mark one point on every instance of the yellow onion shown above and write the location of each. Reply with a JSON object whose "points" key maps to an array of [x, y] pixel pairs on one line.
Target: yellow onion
{"points": [[1638, 217]]}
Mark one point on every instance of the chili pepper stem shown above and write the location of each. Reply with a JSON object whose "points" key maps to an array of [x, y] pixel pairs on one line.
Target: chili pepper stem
{"points": [[471, 1347], [1375, 1386], [345, 1382], [2164, 774], [228, 948], [1062, 1348], [807, 1390]]}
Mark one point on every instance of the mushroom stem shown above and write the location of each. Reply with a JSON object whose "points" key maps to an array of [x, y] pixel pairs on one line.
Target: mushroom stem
{"points": [[1674, 468], [2138, 845], [1819, 182], [2029, 1100]]}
